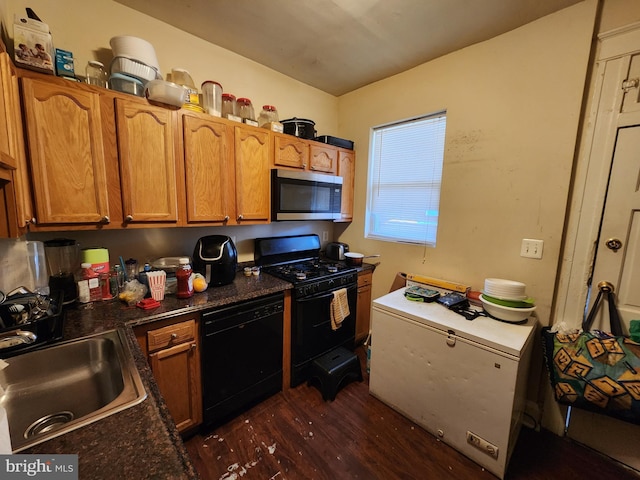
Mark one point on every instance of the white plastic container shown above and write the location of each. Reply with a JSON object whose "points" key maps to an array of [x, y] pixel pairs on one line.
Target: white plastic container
{"points": [[212, 98], [166, 92]]}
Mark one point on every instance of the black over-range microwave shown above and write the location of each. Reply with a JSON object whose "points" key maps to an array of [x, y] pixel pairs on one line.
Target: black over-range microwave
{"points": [[305, 195]]}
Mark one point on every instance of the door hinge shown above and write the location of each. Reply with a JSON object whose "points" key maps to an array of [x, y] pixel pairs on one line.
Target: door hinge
{"points": [[629, 84]]}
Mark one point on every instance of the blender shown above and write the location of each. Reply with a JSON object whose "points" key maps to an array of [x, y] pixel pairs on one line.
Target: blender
{"points": [[63, 260]]}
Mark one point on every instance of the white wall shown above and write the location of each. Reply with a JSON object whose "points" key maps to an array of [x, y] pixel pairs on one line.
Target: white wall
{"points": [[85, 28], [513, 110]]}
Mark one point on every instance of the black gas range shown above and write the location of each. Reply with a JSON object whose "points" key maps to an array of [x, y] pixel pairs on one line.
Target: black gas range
{"points": [[314, 275], [316, 281]]}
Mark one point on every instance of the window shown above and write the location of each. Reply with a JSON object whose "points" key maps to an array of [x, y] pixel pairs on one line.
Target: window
{"points": [[405, 173]]}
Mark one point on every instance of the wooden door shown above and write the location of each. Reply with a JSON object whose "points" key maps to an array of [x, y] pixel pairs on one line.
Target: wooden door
{"points": [[252, 164], [290, 152], [617, 258], [323, 158], [209, 170], [147, 153], [346, 170], [177, 372], [64, 130]]}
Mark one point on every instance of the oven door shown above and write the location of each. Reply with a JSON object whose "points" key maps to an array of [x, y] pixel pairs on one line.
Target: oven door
{"points": [[305, 196], [311, 332]]}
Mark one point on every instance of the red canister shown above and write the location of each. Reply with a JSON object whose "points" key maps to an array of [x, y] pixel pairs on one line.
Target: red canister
{"points": [[184, 276]]}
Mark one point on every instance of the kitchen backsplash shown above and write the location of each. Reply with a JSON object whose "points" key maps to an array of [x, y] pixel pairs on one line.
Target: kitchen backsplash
{"points": [[147, 244]]}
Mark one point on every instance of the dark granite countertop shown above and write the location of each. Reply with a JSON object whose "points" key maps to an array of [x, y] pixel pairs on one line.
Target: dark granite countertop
{"points": [[141, 441]]}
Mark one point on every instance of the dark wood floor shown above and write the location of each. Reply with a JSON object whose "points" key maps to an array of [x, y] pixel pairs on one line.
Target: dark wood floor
{"points": [[297, 435]]}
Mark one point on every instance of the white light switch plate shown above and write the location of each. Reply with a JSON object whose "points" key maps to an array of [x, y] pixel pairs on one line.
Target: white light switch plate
{"points": [[531, 248]]}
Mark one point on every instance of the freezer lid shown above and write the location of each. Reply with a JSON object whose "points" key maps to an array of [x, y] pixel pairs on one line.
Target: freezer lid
{"points": [[506, 337]]}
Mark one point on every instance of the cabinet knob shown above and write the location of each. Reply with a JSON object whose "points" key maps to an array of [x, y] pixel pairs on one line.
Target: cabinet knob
{"points": [[193, 346], [240, 217], [105, 219], [128, 218], [304, 165], [174, 336], [32, 220], [226, 218]]}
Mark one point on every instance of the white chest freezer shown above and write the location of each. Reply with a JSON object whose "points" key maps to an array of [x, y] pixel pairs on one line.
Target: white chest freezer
{"points": [[462, 380]]}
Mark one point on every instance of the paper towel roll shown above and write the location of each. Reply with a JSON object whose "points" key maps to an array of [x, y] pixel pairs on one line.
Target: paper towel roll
{"points": [[5, 439]]}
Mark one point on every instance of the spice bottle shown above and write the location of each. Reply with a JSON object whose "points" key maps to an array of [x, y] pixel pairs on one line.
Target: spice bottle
{"points": [[184, 275]]}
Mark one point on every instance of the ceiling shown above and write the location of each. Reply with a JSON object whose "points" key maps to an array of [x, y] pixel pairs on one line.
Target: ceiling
{"points": [[340, 45]]}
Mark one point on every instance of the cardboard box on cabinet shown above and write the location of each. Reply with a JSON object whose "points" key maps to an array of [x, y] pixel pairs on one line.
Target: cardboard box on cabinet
{"points": [[32, 45]]}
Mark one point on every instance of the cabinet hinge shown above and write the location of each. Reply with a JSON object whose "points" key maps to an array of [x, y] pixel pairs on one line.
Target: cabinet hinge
{"points": [[629, 84]]}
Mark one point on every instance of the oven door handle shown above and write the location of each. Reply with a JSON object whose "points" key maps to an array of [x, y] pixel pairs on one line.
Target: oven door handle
{"points": [[323, 295]]}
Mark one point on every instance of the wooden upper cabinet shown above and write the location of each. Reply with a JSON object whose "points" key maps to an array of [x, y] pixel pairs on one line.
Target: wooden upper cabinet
{"points": [[209, 169], [64, 130], [18, 212], [296, 153], [147, 153], [290, 151], [253, 173], [323, 158], [7, 114], [346, 170]]}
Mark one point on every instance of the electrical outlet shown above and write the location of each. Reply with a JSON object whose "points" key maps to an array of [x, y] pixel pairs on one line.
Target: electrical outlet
{"points": [[482, 445], [325, 236], [531, 248]]}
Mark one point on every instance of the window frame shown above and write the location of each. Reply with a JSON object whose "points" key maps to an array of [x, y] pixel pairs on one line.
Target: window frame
{"points": [[418, 230]]}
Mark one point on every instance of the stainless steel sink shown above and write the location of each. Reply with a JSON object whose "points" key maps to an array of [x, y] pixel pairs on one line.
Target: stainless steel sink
{"points": [[50, 392]]}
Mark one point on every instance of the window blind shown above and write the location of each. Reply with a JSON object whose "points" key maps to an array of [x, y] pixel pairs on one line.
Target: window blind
{"points": [[404, 180]]}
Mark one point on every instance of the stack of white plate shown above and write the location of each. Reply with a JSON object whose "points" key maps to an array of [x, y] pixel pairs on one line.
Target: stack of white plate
{"points": [[506, 300]]}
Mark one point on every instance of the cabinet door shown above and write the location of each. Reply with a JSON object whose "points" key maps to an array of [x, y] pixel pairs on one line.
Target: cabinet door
{"points": [[346, 170], [64, 130], [290, 152], [17, 212], [363, 307], [147, 152], [209, 170], [7, 125], [323, 159], [252, 161], [177, 372]]}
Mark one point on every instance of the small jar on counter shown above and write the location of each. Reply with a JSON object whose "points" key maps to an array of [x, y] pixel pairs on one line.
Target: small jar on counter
{"points": [[96, 74], [228, 105], [184, 275], [267, 115], [245, 109]]}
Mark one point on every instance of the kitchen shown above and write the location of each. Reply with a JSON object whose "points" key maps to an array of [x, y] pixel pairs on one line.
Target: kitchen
{"points": [[515, 104]]}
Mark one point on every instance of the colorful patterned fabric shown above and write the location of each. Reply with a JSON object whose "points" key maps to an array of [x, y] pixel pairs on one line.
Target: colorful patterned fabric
{"points": [[595, 371]]}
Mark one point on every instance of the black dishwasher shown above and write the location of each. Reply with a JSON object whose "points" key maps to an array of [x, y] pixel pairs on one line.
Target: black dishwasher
{"points": [[241, 356]]}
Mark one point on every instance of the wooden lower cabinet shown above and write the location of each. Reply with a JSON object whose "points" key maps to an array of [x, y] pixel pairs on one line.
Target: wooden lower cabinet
{"points": [[363, 308], [173, 350]]}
